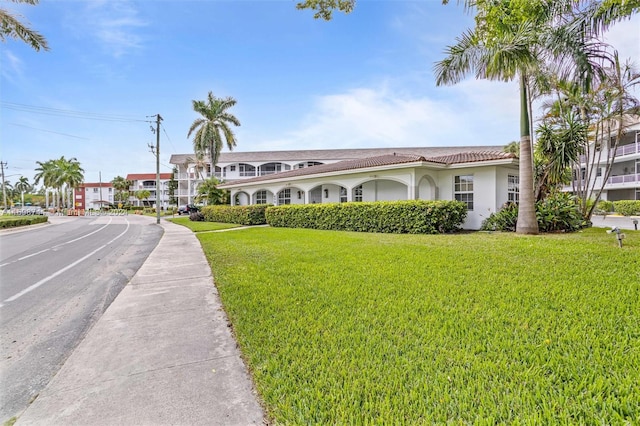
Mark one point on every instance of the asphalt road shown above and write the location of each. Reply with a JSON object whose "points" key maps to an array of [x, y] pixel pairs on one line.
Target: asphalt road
{"points": [[56, 281]]}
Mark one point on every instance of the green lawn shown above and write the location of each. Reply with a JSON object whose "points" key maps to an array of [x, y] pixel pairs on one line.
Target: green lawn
{"points": [[202, 226], [357, 328]]}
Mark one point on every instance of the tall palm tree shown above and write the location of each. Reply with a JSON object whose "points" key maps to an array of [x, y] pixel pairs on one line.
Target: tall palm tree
{"points": [[46, 172], [213, 130], [540, 37], [10, 26], [70, 176], [22, 186]]}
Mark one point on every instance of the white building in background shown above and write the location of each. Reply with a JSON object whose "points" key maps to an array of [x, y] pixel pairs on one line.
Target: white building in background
{"points": [[624, 180], [93, 195], [142, 181], [246, 165]]}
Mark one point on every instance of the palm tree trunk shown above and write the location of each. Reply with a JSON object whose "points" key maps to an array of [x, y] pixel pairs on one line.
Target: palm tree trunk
{"points": [[527, 222]]}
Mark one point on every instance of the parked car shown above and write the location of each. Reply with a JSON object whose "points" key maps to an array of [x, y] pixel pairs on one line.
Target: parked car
{"points": [[187, 209]]}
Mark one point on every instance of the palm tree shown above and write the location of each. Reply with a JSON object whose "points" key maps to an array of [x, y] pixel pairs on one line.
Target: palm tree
{"points": [[121, 186], [22, 186], [212, 129], [70, 175], [539, 38], [46, 172], [10, 26], [209, 194], [143, 194]]}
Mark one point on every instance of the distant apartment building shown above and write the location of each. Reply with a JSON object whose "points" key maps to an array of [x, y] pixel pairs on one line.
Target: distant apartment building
{"points": [[93, 195], [623, 183], [147, 181]]}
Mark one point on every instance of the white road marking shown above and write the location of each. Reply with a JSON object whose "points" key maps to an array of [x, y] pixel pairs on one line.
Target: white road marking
{"points": [[59, 245], [66, 268]]}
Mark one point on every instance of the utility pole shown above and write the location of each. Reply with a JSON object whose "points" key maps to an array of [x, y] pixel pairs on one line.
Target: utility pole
{"points": [[3, 164], [158, 198]]}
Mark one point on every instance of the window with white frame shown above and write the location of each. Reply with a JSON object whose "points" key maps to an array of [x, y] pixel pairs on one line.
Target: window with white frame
{"points": [[95, 189], [463, 190], [513, 188], [261, 197], [284, 197], [357, 193]]}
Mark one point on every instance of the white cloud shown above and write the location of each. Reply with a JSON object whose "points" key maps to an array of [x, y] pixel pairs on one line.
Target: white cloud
{"points": [[625, 37], [473, 113], [12, 66], [114, 24]]}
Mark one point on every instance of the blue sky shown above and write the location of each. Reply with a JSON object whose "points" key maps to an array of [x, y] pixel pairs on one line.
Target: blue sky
{"points": [[361, 80]]}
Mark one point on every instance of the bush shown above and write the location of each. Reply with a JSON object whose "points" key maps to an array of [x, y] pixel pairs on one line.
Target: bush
{"points": [[135, 208], [627, 207], [604, 207], [14, 221], [557, 212], [504, 220], [413, 217], [196, 217], [241, 215]]}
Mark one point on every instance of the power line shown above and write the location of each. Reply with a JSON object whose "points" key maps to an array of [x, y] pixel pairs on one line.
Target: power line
{"points": [[167, 135], [49, 131], [70, 113]]}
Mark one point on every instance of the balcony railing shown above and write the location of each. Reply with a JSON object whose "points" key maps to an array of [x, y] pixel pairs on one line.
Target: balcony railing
{"points": [[196, 176], [623, 179], [632, 148]]}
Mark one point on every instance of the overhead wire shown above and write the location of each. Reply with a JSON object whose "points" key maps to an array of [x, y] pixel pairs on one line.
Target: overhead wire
{"points": [[70, 113]]}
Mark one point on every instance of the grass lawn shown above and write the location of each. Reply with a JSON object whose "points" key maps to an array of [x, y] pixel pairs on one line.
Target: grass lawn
{"points": [[202, 226], [357, 328]]}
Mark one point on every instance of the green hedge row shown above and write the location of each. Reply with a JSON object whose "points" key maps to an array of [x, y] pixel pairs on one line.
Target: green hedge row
{"points": [[627, 207], [14, 221], [413, 217], [241, 215]]}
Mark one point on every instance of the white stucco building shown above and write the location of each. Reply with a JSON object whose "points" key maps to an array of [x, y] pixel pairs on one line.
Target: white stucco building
{"points": [[247, 165], [141, 181], [484, 180], [624, 180], [93, 195]]}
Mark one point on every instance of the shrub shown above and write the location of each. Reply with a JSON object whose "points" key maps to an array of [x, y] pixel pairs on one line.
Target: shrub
{"points": [[135, 208], [627, 207], [196, 217], [604, 207], [14, 221], [504, 220], [413, 217], [241, 215], [557, 212]]}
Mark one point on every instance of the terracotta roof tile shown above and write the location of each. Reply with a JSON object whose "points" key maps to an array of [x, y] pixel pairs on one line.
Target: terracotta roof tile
{"points": [[471, 157]]}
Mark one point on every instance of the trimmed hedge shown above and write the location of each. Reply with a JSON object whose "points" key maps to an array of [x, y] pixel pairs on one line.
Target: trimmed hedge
{"points": [[398, 217], [627, 207], [241, 215], [15, 221]]}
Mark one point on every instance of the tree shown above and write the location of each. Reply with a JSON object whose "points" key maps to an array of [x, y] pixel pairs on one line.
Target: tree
{"points": [[143, 194], [71, 175], [63, 175], [121, 186], [209, 194], [22, 186], [212, 129], [324, 8], [173, 185], [523, 39], [12, 27]]}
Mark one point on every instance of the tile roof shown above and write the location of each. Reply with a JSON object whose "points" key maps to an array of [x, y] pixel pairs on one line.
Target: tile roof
{"points": [[332, 154], [147, 176], [379, 161], [471, 157]]}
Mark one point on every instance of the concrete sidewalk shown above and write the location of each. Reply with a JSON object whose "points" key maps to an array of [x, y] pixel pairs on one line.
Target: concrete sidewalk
{"points": [[162, 353]]}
